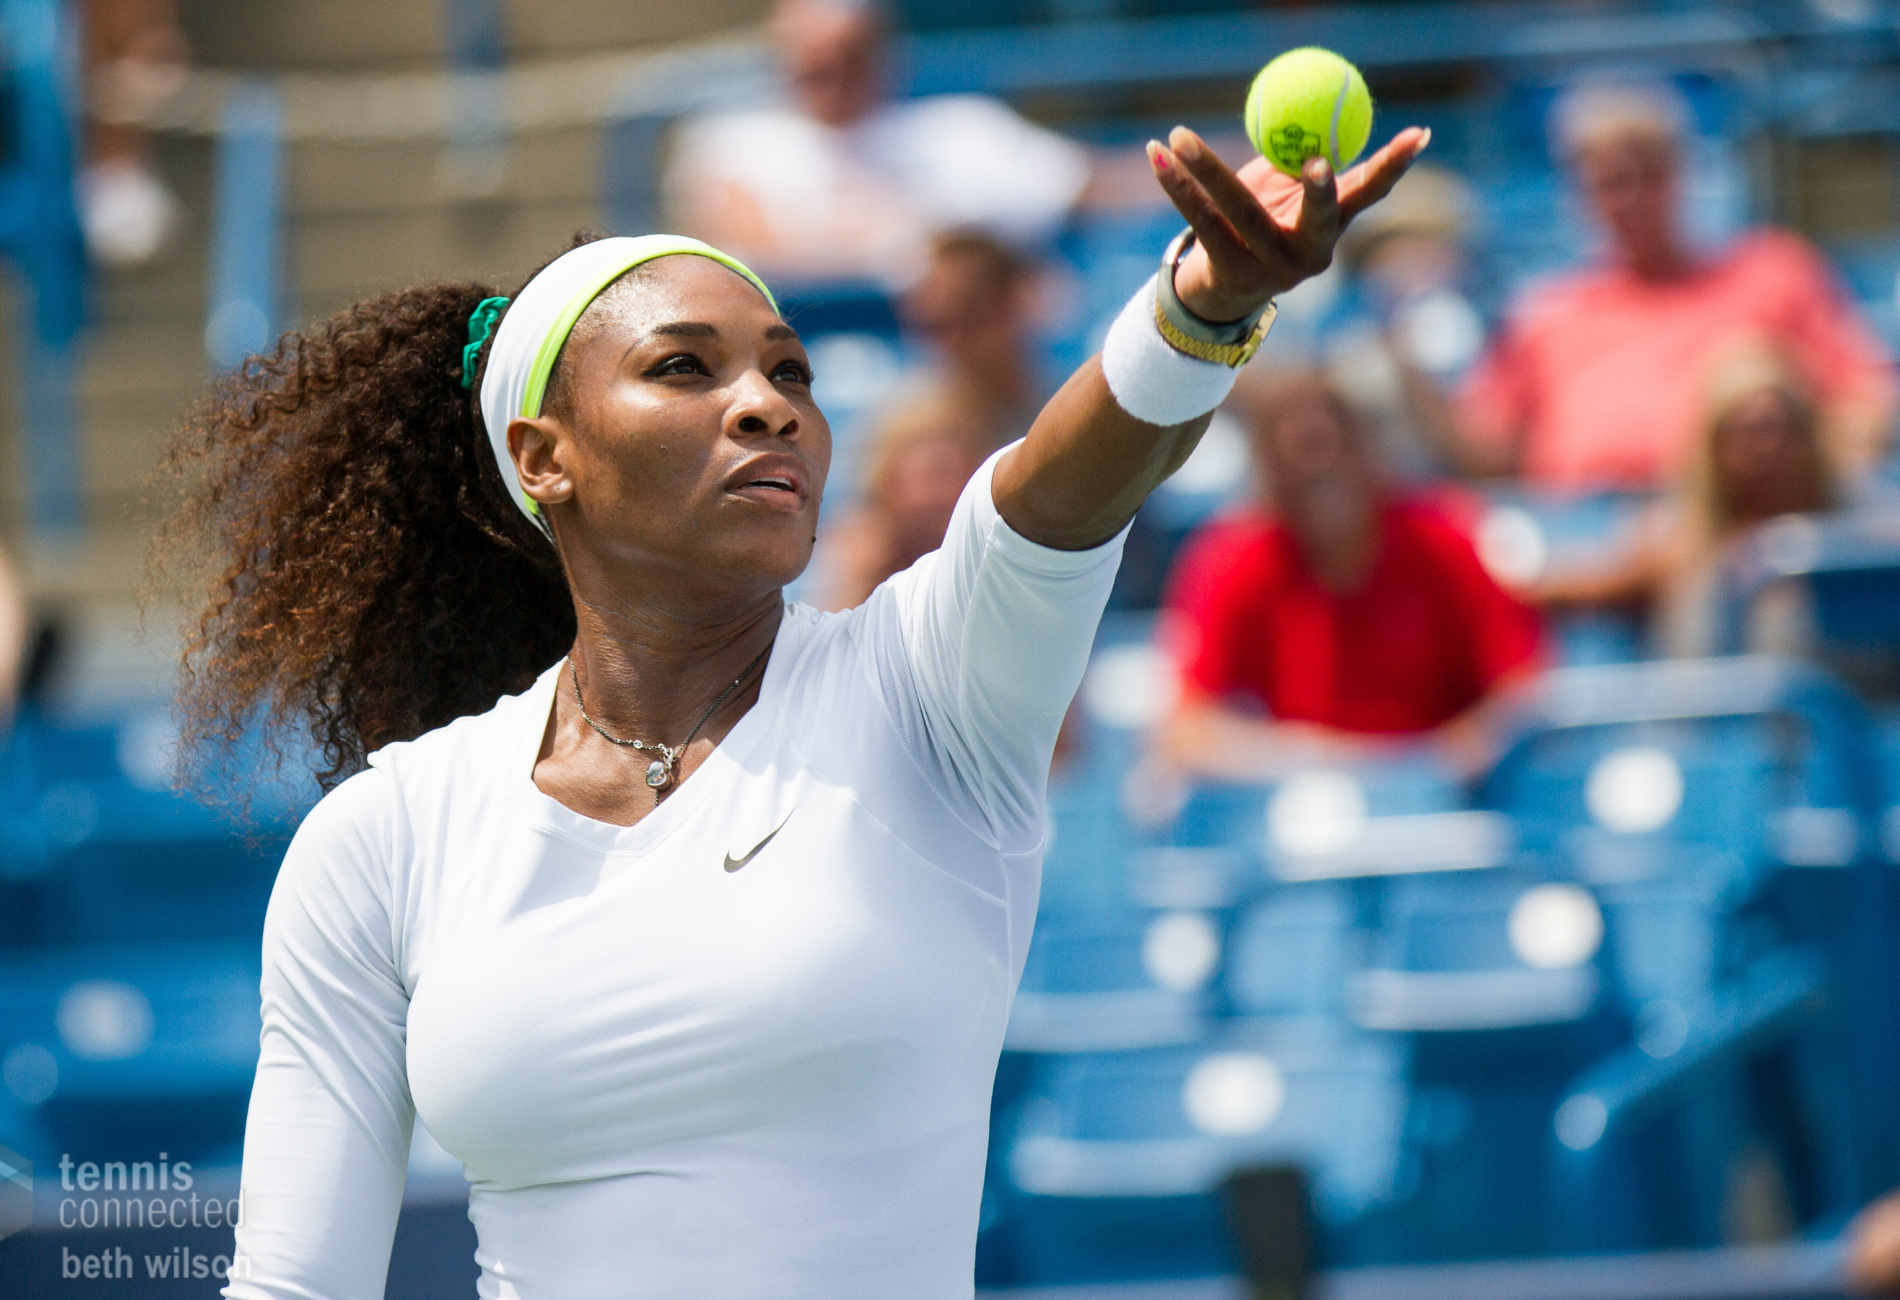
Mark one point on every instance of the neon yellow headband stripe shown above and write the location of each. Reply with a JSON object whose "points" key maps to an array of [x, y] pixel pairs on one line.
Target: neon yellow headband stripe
{"points": [[655, 246]]}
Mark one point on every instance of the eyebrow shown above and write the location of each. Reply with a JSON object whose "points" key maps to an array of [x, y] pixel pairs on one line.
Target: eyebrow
{"points": [[696, 329]]}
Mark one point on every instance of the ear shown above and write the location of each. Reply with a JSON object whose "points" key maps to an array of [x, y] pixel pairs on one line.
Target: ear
{"points": [[541, 449]]}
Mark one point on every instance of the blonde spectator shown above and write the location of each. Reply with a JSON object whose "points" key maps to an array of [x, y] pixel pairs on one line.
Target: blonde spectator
{"points": [[1758, 453]]}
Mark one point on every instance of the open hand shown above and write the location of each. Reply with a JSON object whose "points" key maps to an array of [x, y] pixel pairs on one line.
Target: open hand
{"points": [[1258, 232]]}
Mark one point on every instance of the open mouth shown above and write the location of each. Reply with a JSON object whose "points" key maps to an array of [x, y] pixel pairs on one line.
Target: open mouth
{"points": [[777, 487]]}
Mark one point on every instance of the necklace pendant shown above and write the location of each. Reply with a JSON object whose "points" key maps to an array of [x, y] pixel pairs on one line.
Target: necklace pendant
{"points": [[657, 774]]}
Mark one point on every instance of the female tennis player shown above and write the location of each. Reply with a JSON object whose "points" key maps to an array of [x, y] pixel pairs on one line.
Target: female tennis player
{"points": [[687, 919]]}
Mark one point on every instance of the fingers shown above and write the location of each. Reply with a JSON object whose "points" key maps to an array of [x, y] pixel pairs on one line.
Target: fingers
{"points": [[1319, 219], [1190, 198], [1228, 194], [1374, 178]]}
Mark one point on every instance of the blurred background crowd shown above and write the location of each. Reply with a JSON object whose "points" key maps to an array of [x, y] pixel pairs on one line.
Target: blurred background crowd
{"points": [[1485, 797]]}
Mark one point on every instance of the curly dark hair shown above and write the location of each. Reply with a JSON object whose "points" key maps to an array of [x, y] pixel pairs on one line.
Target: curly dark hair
{"points": [[365, 576]]}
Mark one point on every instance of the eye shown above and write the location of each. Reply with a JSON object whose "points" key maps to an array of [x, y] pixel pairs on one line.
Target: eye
{"points": [[792, 372], [680, 363]]}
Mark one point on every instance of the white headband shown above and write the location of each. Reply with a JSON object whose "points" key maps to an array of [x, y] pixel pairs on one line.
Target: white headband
{"points": [[538, 321]]}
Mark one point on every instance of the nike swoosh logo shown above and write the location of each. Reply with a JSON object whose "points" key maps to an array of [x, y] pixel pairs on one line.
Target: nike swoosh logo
{"points": [[733, 864]]}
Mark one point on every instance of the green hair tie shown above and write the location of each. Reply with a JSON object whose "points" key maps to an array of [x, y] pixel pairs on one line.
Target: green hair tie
{"points": [[481, 324]]}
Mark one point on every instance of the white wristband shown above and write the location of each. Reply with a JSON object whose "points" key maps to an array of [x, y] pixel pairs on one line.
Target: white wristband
{"points": [[1150, 380]]}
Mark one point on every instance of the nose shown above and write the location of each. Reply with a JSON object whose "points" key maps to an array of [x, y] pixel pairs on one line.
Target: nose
{"points": [[760, 410]]}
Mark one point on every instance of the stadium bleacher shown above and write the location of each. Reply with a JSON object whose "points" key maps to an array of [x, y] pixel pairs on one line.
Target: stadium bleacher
{"points": [[1546, 1017]]}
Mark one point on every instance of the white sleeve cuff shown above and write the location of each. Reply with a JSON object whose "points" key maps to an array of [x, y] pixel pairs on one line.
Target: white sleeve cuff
{"points": [[1150, 380]]}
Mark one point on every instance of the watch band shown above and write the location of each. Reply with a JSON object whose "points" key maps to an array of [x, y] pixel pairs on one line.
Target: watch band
{"points": [[1232, 344]]}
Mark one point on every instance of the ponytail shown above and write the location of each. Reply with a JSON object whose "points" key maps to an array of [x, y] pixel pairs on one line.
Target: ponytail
{"points": [[364, 577]]}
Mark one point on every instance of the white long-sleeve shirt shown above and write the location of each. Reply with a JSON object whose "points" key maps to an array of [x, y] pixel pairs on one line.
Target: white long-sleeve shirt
{"points": [[741, 1049]]}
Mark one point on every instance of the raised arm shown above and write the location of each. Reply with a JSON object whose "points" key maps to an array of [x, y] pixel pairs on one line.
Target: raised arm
{"points": [[1088, 463]]}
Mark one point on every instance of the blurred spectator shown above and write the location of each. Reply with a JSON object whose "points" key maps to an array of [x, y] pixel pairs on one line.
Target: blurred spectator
{"points": [[15, 639], [134, 55], [844, 182], [1337, 618], [1591, 384], [922, 454], [1413, 327], [971, 310], [1873, 1248], [1757, 454]]}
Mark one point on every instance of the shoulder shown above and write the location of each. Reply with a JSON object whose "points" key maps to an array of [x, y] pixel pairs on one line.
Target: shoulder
{"points": [[1428, 530], [973, 128], [1234, 540], [1553, 299], [1228, 551], [734, 141], [358, 819], [1768, 256], [816, 660], [462, 756], [953, 111], [1772, 246], [746, 126], [810, 637], [338, 877]]}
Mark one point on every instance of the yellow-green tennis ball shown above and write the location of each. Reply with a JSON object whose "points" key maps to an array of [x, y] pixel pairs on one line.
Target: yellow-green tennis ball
{"points": [[1309, 103]]}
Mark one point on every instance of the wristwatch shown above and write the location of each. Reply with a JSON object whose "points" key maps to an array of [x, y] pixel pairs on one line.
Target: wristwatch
{"points": [[1232, 344]]}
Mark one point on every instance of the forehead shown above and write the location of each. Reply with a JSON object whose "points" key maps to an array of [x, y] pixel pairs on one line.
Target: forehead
{"points": [[1625, 149], [680, 288]]}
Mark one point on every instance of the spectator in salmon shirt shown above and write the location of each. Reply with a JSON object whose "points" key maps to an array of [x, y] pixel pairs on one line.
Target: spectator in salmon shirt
{"points": [[1336, 619], [1592, 382]]}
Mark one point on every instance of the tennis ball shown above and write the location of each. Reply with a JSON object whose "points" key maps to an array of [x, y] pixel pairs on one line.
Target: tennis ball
{"points": [[1307, 103]]}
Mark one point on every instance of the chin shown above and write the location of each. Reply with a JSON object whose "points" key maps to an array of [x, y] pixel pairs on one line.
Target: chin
{"points": [[775, 563]]}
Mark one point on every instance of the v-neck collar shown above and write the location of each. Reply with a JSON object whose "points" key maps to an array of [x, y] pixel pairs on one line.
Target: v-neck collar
{"points": [[719, 770]]}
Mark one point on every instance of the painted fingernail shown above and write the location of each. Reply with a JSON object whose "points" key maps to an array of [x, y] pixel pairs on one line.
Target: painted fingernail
{"points": [[1187, 146], [1158, 157]]}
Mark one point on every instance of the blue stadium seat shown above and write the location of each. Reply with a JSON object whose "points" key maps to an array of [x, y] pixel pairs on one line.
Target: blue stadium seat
{"points": [[1645, 1142], [1830, 582], [122, 856], [1458, 954], [1618, 767], [1252, 817], [1111, 982], [1293, 952], [133, 1046], [1114, 1159], [1751, 779]]}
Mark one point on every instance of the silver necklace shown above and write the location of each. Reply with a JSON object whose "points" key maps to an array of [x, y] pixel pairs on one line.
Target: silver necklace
{"points": [[660, 771]]}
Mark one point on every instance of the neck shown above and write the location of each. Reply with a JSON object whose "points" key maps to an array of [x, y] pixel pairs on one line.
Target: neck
{"points": [[1666, 260], [650, 674], [1341, 567], [1339, 559]]}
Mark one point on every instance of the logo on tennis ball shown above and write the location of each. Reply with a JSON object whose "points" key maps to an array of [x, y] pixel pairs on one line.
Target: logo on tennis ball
{"points": [[1292, 145]]}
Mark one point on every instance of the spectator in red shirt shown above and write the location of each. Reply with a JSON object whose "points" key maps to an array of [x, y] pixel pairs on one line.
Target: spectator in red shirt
{"points": [[1338, 620], [1591, 383]]}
